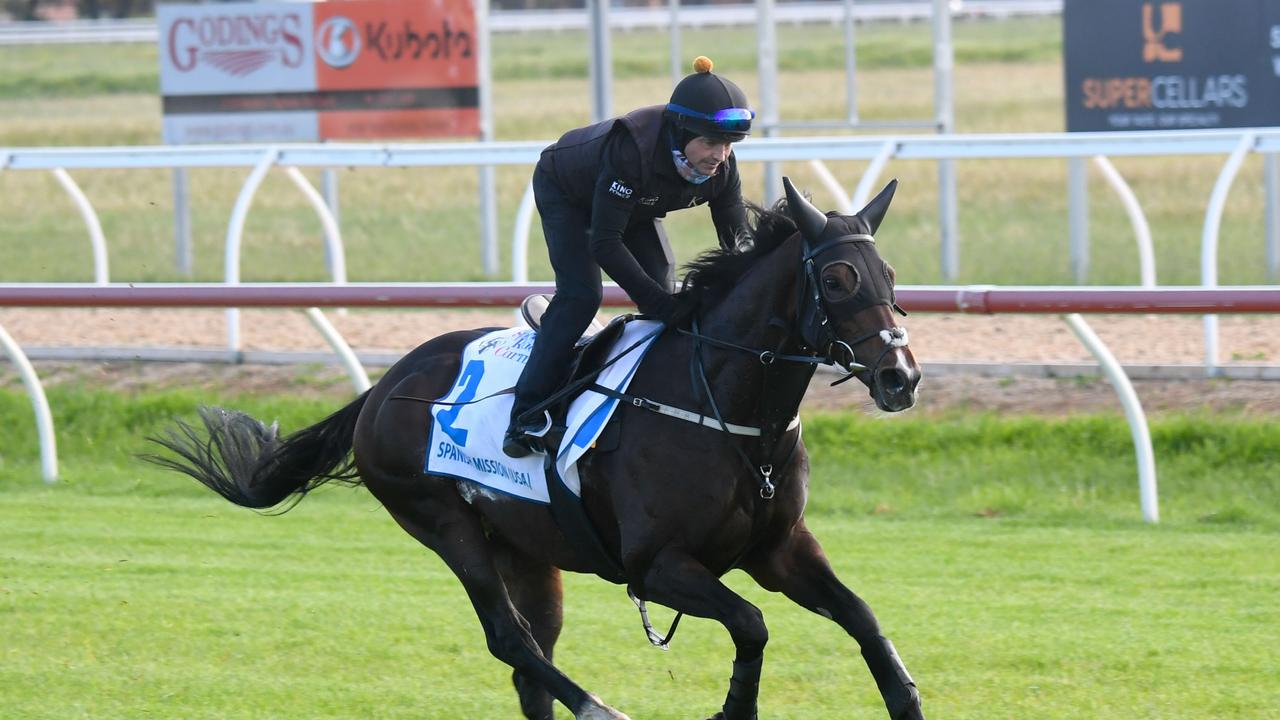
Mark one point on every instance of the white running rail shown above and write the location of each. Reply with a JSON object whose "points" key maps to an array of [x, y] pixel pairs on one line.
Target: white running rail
{"points": [[1209, 240], [877, 151], [39, 403], [967, 299]]}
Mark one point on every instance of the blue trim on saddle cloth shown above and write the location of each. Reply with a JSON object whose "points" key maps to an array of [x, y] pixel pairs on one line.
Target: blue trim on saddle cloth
{"points": [[465, 441]]}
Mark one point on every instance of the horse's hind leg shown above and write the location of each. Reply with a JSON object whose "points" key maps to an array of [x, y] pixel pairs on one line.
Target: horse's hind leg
{"points": [[799, 569], [450, 528], [537, 594]]}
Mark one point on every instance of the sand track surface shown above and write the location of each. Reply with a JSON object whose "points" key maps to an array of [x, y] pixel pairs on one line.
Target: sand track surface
{"points": [[1133, 339]]}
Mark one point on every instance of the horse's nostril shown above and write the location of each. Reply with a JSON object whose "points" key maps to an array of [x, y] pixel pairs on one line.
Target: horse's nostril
{"points": [[892, 380]]}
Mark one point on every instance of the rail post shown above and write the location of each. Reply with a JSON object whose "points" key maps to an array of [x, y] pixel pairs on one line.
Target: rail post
{"points": [[39, 403], [1209, 242], [235, 235]]}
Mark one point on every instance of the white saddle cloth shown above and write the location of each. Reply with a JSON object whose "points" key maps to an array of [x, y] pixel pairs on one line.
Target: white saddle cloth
{"points": [[466, 440]]}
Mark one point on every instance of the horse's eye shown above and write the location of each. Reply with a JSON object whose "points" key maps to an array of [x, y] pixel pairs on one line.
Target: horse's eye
{"points": [[839, 281]]}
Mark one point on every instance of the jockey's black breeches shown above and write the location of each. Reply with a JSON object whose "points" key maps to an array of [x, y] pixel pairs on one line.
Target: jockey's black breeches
{"points": [[578, 286]]}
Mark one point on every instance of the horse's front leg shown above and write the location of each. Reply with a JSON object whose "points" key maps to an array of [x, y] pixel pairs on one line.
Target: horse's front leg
{"points": [[798, 568], [444, 523], [681, 583]]}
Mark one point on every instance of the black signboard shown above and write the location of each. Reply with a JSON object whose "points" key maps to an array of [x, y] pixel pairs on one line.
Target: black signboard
{"points": [[1171, 64]]}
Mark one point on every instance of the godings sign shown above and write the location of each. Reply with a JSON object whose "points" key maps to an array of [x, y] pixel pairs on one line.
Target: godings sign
{"points": [[303, 72]]}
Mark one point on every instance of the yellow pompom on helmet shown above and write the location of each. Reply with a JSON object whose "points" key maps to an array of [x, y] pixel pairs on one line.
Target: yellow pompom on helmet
{"points": [[709, 105]]}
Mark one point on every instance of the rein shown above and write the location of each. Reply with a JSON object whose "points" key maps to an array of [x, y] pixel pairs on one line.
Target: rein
{"points": [[698, 376]]}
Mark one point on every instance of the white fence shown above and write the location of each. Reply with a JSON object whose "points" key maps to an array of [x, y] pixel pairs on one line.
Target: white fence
{"points": [[984, 300], [878, 151]]}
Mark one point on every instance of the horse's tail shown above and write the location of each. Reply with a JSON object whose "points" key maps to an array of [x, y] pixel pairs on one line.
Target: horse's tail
{"points": [[247, 463]]}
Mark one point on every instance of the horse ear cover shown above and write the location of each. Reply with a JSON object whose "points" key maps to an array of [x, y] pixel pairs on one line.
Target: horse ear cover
{"points": [[705, 92], [810, 220], [874, 212]]}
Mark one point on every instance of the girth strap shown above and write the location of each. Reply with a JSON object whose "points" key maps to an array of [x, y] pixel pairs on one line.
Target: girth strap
{"points": [[570, 513]]}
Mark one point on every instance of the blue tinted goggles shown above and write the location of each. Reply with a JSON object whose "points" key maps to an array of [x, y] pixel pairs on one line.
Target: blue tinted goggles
{"points": [[736, 120]]}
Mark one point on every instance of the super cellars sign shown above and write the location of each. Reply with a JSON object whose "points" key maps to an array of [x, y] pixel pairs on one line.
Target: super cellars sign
{"points": [[1173, 64], [362, 69]]}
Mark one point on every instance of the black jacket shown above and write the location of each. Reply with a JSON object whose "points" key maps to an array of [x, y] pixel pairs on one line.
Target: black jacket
{"points": [[621, 172]]}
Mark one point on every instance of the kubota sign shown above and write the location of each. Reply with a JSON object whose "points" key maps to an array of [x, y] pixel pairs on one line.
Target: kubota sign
{"points": [[359, 69]]}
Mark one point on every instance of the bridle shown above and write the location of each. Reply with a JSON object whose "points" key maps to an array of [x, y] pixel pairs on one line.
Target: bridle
{"points": [[819, 345], [818, 338], [818, 334]]}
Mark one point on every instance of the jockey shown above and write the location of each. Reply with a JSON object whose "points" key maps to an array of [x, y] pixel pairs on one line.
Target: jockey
{"points": [[602, 191]]}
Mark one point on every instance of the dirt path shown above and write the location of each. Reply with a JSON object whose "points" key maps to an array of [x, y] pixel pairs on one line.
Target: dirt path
{"points": [[1144, 340]]}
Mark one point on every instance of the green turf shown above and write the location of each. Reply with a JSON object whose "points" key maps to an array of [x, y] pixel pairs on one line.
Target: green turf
{"points": [[131, 607], [1005, 557], [1212, 469]]}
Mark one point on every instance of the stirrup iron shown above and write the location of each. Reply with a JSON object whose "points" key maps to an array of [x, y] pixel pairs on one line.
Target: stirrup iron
{"points": [[655, 639]]}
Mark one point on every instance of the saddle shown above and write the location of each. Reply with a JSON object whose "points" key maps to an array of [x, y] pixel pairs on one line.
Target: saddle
{"points": [[590, 353], [589, 356], [532, 308]]}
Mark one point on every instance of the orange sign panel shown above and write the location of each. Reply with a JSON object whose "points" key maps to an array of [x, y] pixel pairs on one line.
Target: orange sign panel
{"points": [[413, 63], [395, 44]]}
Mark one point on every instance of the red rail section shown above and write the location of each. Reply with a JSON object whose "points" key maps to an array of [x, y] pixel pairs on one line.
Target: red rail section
{"points": [[983, 300], [1054, 300]]}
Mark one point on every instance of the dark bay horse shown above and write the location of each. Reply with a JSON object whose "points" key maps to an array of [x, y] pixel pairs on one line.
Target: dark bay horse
{"points": [[676, 504]]}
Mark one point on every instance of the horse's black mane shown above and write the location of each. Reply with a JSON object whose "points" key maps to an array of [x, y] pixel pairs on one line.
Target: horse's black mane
{"points": [[712, 273]]}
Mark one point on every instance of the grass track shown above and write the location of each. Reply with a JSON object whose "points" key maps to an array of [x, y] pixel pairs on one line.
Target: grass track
{"points": [[127, 592], [127, 607], [1213, 469]]}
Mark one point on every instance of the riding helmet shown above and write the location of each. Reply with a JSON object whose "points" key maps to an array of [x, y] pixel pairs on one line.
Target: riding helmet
{"points": [[709, 105]]}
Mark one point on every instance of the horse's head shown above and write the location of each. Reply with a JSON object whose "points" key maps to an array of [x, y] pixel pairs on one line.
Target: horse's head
{"points": [[846, 301]]}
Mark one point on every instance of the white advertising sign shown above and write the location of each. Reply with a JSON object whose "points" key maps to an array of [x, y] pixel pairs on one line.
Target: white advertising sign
{"points": [[235, 48], [251, 128], [309, 71]]}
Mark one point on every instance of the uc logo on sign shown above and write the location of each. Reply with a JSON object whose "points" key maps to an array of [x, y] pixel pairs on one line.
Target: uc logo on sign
{"points": [[1153, 47]]}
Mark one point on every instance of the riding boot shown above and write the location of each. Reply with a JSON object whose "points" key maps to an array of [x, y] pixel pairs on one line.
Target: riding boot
{"points": [[539, 380], [566, 316], [520, 439]]}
